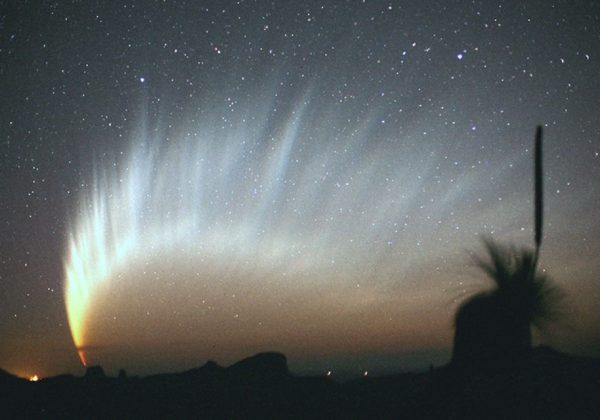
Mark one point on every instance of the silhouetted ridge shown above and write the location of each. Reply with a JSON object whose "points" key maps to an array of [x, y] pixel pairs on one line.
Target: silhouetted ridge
{"points": [[261, 366], [210, 371], [60, 380], [210, 367], [551, 385], [94, 373], [9, 379]]}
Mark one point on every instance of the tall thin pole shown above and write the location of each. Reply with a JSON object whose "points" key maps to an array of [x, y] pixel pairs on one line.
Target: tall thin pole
{"points": [[539, 193]]}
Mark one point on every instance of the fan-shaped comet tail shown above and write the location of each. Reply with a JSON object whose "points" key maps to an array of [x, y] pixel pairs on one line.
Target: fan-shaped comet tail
{"points": [[286, 192], [165, 198]]}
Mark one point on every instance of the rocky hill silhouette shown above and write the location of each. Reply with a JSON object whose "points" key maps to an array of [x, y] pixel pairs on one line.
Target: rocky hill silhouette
{"points": [[551, 385]]}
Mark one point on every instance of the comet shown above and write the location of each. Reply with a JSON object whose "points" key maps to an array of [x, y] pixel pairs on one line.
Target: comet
{"points": [[288, 193], [164, 198]]}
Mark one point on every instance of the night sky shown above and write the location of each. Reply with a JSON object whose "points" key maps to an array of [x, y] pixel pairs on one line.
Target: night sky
{"points": [[184, 181]]}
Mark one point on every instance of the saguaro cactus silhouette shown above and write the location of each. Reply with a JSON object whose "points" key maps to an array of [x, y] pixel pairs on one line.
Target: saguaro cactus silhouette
{"points": [[493, 328]]}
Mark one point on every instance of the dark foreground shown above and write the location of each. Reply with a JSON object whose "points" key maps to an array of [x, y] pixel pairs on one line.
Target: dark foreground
{"points": [[550, 385]]}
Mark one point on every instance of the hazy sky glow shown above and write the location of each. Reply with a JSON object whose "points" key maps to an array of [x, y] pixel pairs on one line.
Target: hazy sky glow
{"points": [[210, 182], [254, 223]]}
